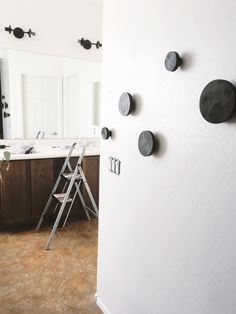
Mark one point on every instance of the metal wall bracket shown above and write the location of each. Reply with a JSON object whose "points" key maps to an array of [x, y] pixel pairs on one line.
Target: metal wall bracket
{"points": [[87, 44], [114, 165], [18, 32]]}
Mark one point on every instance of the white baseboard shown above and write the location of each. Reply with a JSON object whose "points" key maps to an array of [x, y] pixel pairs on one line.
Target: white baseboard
{"points": [[101, 305]]}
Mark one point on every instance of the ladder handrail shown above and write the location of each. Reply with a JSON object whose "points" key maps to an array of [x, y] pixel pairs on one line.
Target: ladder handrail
{"points": [[68, 158], [81, 155], [79, 162]]}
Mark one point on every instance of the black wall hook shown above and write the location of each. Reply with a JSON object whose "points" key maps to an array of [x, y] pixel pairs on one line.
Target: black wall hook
{"points": [[173, 61], [18, 32], [106, 133], [87, 44], [147, 143]]}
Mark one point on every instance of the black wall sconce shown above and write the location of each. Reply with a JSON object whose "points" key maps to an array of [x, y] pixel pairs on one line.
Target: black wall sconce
{"points": [[4, 105], [87, 44], [6, 114], [18, 32]]}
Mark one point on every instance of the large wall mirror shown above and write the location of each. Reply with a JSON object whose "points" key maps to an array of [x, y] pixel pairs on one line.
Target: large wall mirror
{"points": [[58, 96]]}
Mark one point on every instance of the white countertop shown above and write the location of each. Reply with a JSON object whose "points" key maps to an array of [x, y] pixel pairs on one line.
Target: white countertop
{"points": [[43, 149], [49, 154]]}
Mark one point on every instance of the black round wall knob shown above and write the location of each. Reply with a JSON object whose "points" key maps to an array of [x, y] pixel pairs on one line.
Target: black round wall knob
{"points": [[87, 44], [217, 101], [106, 133], [18, 32], [146, 143], [172, 61], [126, 104]]}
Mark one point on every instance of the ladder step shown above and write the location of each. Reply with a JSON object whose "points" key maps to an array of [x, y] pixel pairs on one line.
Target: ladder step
{"points": [[68, 176], [61, 196]]}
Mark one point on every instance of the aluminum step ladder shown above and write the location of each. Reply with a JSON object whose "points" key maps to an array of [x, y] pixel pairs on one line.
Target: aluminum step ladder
{"points": [[73, 179]]}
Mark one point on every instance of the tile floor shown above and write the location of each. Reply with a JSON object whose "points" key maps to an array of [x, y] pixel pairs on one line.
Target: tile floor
{"points": [[62, 280]]}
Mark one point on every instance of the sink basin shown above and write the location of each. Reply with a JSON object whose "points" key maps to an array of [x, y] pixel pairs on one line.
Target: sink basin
{"points": [[23, 152]]}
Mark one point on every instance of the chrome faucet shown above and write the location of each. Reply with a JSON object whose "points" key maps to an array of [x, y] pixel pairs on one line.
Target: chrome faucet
{"points": [[42, 134]]}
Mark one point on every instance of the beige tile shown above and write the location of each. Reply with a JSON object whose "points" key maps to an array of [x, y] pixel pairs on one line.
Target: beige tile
{"points": [[62, 280]]}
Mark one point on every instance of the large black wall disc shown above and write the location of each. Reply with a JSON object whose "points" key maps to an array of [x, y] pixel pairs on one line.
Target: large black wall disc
{"points": [[172, 61], [126, 104], [146, 143], [217, 101]]}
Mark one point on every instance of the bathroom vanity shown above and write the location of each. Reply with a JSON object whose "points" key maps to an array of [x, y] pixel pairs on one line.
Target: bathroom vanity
{"points": [[28, 183]]}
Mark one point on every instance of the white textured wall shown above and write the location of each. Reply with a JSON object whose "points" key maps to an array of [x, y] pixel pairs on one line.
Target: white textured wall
{"points": [[58, 26], [167, 242]]}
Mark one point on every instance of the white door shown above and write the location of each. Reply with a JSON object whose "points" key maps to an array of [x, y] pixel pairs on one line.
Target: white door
{"points": [[42, 106]]}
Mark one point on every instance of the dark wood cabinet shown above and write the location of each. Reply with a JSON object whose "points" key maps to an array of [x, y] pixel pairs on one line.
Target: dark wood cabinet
{"points": [[15, 193], [42, 181], [91, 170], [28, 183]]}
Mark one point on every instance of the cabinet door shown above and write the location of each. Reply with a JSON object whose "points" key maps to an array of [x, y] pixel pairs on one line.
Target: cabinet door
{"points": [[15, 193], [91, 170], [42, 181]]}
